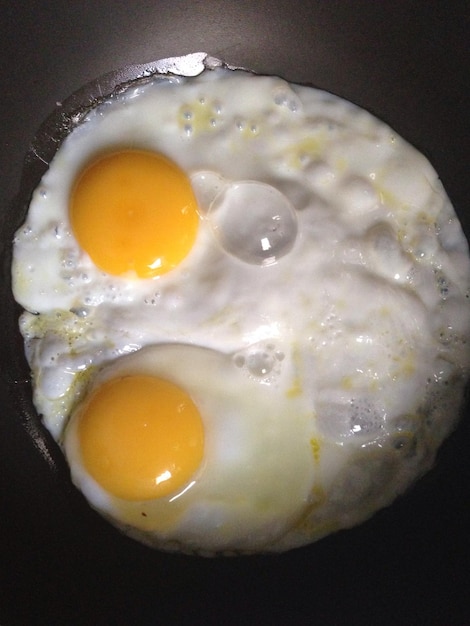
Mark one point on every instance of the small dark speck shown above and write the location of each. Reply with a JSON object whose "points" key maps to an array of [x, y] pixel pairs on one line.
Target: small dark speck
{"points": [[144, 514]]}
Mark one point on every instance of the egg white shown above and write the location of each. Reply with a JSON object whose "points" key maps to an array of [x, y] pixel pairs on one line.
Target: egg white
{"points": [[369, 300], [248, 488]]}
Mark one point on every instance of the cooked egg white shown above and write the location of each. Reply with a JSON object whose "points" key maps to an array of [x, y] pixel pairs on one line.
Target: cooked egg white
{"points": [[289, 263], [247, 488]]}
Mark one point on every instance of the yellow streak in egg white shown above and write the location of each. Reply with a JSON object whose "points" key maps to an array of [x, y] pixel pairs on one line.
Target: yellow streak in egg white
{"points": [[310, 147], [315, 446]]}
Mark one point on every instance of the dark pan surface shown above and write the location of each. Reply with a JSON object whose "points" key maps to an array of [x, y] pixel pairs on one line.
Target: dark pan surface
{"points": [[408, 63]]}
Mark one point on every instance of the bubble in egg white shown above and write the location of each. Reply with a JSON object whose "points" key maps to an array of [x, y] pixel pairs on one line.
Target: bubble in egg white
{"points": [[320, 174], [386, 254], [261, 361], [285, 97], [409, 186], [353, 418], [357, 196], [206, 186], [254, 222]]}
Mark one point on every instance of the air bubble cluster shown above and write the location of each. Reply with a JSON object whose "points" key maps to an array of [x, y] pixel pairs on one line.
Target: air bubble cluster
{"points": [[285, 97], [260, 361], [357, 418]]}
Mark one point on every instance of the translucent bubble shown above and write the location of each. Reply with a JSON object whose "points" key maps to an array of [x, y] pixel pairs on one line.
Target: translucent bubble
{"points": [[206, 186], [357, 418], [285, 97], [254, 222], [80, 311], [260, 361]]}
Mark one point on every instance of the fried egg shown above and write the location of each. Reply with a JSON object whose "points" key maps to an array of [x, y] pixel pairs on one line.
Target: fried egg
{"points": [[246, 311], [202, 482]]}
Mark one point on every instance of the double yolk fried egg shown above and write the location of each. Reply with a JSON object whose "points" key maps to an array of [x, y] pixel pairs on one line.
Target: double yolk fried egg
{"points": [[246, 311]]}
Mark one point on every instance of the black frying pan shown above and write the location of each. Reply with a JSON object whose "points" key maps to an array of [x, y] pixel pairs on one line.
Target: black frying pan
{"points": [[408, 63]]}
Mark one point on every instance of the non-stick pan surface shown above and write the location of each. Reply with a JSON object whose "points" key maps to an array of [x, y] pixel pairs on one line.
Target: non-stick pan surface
{"points": [[409, 64]]}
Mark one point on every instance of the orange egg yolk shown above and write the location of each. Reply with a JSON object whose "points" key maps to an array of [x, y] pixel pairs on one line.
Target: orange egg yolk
{"points": [[141, 437], [134, 211]]}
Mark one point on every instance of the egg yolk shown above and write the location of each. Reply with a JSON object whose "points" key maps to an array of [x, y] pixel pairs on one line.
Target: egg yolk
{"points": [[134, 211], [141, 437]]}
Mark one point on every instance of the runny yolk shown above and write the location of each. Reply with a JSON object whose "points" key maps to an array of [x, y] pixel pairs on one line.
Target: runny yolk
{"points": [[134, 211], [141, 437]]}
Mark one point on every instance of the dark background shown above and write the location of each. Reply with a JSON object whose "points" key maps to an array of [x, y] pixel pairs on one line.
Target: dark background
{"points": [[409, 64]]}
